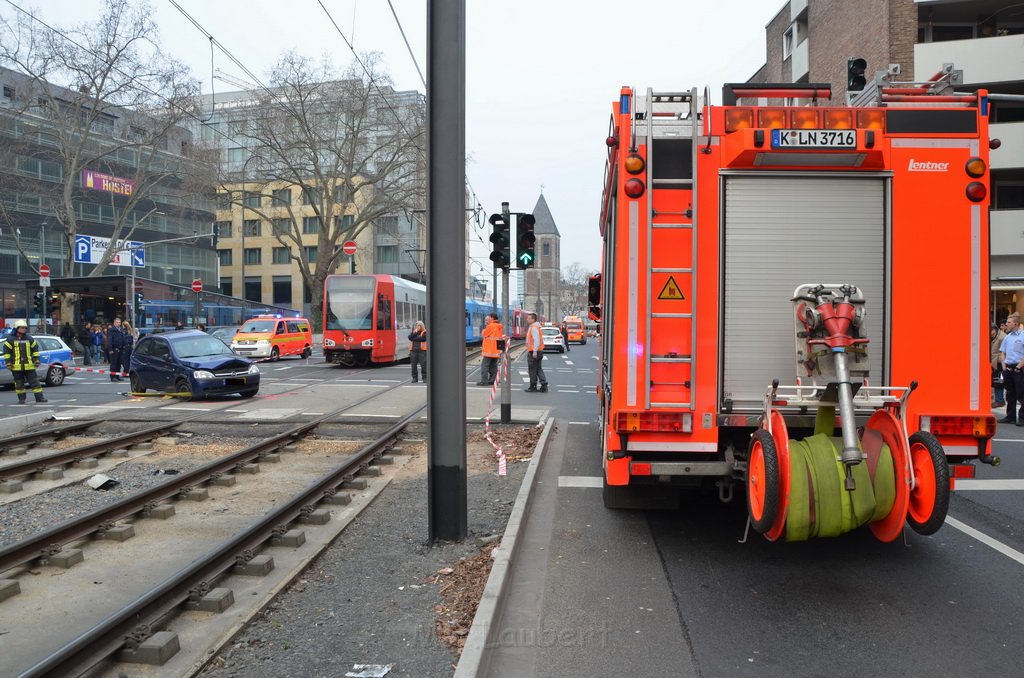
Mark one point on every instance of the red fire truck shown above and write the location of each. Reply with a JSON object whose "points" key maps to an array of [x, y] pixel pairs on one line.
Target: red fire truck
{"points": [[794, 300]]}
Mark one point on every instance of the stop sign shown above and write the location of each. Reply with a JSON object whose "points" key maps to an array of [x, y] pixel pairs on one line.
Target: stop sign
{"points": [[197, 285], [44, 271], [349, 247]]}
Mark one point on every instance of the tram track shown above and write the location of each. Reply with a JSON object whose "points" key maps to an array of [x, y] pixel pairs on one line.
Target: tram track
{"points": [[201, 573]]}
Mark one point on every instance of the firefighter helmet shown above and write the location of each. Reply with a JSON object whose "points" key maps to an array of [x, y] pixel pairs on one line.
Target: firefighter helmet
{"points": [[20, 323]]}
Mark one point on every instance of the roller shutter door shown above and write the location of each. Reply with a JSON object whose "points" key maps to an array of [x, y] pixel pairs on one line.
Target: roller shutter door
{"points": [[781, 232]]}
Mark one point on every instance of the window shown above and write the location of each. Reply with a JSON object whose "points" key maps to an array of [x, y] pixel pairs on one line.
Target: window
{"points": [[226, 286], [282, 196], [310, 196], [252, 199], [223, 229], [224, 200], [387, 226], [545, 249], [387, 254], [136, 133], [346, 221], [310, 254], [8, 93], [224, 256], [251, 228], [281, 226], [237, 155], [282, 290], [384, 313], [282, 255], [253, 255], [788, 41], [253, 288], [310, 224]]}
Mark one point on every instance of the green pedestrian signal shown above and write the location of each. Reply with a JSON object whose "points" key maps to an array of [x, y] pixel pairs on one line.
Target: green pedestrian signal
{"points": [[526, 241]]}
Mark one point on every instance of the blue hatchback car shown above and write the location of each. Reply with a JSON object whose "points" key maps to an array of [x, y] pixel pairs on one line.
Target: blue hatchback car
{"points": [[193, 362]]}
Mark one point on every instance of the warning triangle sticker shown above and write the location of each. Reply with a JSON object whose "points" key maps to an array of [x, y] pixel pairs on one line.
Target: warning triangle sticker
{"points": [[671, 291]]}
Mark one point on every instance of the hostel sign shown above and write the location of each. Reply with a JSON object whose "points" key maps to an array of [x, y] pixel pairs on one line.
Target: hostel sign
{"points": [[98, 181]]}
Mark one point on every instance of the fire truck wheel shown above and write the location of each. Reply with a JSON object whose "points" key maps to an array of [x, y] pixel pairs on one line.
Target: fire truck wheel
{"points": [[762, 481], [929, 499]]}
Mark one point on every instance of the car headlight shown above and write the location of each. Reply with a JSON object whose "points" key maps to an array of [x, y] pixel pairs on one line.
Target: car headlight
{"points": [[253, 369], [263, 342], [203, 374]]}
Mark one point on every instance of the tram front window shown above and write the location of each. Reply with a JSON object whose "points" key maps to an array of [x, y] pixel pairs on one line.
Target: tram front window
{"points": [[349, 303]]}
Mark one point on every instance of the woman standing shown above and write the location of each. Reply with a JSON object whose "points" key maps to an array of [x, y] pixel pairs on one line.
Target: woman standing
{"points": [[418, 350], [130, 335]]}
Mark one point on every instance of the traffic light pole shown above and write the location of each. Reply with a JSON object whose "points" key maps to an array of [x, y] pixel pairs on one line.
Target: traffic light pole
{"points": [[506, 383]]}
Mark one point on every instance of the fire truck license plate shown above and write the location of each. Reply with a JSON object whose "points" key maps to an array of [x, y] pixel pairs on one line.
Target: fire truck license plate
{"points": [[814, 138]]}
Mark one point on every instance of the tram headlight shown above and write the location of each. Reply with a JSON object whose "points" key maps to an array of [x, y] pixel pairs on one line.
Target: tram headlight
{"points": [[329, 342], [368, 343]]}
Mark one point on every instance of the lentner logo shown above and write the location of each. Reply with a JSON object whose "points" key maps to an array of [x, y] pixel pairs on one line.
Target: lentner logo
{"points": [[916, 166]]}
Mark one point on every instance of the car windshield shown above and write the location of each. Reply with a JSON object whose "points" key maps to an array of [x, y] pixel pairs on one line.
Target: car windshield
{"points": [[259, 326], [551, 331], [201, 347]]}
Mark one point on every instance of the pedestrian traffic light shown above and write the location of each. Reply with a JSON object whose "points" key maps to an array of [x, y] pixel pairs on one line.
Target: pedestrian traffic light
{"points": [[855, 79], [526, 241], [40, 305], [500, 240], [138, 300]]}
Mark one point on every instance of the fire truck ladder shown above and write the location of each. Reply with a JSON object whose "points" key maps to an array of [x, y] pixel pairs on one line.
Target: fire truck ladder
{"points": [[671, 115]]}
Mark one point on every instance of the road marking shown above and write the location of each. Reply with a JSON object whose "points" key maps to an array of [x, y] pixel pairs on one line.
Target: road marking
{"points": [[986, 540], [568, 362], [288, 383], [580, 423], [580, 481], [562, 390], [992, 484], [1008, 440], [192, 409], [359, 414], [286, 367], [315, 414], [236, 410]]}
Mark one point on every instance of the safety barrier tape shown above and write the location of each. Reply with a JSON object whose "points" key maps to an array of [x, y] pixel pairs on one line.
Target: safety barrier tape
{"points": [[97, 371], [501, 373]]}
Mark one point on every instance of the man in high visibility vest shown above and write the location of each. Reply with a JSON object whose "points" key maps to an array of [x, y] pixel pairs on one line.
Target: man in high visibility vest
{"points": [[534, 355], [21, 354], [493, 334]]}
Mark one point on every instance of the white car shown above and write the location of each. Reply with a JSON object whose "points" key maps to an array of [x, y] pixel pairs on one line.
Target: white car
{"points": [[55, 357], [553, 340]]}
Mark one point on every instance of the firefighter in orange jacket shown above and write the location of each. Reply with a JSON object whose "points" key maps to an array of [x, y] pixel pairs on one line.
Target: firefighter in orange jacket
{"points": [[418, 350], [493, 335], [534, 355]]}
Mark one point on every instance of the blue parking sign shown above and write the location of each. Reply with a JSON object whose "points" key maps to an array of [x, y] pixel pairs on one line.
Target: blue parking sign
{"points": [[83, 249]]}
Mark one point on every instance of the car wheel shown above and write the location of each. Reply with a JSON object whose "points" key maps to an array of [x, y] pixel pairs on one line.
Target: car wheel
{"points": [[306, 352], [248, 394], [136, 383], [55, 375], [275, 354], [184, 388]]}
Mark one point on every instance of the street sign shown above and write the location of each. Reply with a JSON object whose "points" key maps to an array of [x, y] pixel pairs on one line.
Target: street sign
{"points": [[138, 285], [44, 282], [44, 271], [197, 285], [89, 249], [349, 247]]}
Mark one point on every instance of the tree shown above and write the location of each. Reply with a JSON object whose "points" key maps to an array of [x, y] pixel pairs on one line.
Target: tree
{"points": [[100, 97], [349, 146], [575, 281]]}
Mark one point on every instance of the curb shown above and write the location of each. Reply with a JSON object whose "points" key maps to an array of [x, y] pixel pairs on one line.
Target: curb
{"points": [[19, 422], [480, 633]]}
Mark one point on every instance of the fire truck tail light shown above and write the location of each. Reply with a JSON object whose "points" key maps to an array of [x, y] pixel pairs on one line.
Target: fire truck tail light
{"points": [[634, 163], [838, 119], [771, 118], [975, 167], [634, 188], [870, 119], [738, 118], [962, 470], [976, 191], [980, 426], [680, 422], [805, 118]]}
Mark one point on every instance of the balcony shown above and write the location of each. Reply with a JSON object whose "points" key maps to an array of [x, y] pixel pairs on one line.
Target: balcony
{"points": [[987, 60], [1007, 232], [1011, 153], [799, 62]]}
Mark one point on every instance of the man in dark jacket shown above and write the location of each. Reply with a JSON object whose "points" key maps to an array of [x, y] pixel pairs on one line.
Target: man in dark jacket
{"points": [[21, 354], [85, 339], [118, 343]]}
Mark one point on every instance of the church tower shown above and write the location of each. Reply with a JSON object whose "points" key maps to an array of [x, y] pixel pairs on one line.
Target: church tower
{"points": [[541, 284]]}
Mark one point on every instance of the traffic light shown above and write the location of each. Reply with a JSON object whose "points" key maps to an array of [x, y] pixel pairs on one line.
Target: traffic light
{"points": [[501, 241], [594, 296], [526, 241], [855, 79], [40, 305], [138, 300]]}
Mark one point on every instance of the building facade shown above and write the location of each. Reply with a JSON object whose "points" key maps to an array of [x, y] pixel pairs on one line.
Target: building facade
{"points": [[542, 284], [912, 40], [130, 181], [257, 260]]}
